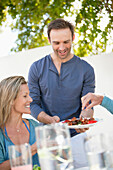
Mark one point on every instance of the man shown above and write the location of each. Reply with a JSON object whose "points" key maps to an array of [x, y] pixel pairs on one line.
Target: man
{"points": [[59, 80], [96, 99]]}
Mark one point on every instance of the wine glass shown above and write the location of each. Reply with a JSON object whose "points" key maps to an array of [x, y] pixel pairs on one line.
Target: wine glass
{"points": [[54, 148]]}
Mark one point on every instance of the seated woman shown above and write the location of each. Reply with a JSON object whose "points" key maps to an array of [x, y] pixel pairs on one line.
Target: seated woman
{"points": [[14, 130]]}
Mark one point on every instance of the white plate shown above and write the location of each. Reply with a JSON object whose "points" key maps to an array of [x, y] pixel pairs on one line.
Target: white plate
{"points": [[84, 126]]}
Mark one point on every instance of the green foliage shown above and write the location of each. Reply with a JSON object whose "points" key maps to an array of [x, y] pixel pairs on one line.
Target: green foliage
{"points": [[31, 17], [95, 38]]}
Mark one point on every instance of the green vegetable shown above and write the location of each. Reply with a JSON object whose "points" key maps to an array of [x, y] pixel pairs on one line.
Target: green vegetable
{"points": [[79, 123], [35, 167]]}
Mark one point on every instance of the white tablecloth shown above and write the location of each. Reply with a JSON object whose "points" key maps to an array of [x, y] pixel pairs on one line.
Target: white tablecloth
{"points": [[83, 168], [78, 151]]}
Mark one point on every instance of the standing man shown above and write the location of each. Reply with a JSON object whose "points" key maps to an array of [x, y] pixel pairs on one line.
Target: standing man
{"points": [[59, 80]]}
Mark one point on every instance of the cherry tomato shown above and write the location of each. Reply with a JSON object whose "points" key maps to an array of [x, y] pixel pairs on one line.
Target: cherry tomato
{"points": [[92, 121]]}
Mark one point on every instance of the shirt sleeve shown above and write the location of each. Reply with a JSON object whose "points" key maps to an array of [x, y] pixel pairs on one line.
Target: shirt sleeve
{"points": [[89, 80], [33, 83], [108, 104]]}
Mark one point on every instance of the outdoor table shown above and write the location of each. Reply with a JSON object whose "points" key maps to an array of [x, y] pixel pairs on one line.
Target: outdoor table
{"points": [[83, 168]]}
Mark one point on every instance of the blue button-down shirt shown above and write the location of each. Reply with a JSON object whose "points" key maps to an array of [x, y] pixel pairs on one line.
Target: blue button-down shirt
{"points": [[59, 94]]}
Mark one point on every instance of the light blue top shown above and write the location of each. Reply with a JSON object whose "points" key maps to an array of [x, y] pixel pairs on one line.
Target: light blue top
{"points": [[60, 94], [108, 104], [5, 142]]}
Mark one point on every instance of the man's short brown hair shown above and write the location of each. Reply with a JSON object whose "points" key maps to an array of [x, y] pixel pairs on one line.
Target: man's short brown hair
{"points": [[60, 24]]}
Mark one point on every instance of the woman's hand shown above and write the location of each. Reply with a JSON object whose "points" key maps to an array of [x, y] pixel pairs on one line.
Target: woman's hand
{"points": [[90, 100], [33, 149]]}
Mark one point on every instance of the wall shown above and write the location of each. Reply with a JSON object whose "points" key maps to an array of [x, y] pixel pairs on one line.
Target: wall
{"points": [[103, 66], [19, 63]]}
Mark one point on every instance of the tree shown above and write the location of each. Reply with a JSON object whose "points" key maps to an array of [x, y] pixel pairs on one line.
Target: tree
{"points": [[31, 17], [92, 38]]}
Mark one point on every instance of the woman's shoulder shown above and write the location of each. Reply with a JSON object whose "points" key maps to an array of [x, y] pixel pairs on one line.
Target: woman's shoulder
{"points": [[34, 122]]}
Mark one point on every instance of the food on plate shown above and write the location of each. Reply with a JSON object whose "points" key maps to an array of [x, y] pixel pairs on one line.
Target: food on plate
{"points": [[81, 121]]}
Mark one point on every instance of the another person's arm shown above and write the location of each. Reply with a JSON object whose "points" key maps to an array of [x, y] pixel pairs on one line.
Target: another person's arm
{"points": [[108, 104], [90, 100], [95, 99]]}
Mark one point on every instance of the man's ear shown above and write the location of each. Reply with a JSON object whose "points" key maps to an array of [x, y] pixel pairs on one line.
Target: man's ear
{"points": [[73, 37], [49, 40]]}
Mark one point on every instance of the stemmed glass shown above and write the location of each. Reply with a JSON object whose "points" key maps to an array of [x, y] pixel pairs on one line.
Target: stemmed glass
{"points": [[54, 149]]}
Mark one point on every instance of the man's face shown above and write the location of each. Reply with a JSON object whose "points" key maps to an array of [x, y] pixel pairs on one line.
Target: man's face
{"points": [[61, 41]]}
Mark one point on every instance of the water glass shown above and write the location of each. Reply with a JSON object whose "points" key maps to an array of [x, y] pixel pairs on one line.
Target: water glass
{"points": [[95, 152], [20, 157], [107, 142], [54, 148]]}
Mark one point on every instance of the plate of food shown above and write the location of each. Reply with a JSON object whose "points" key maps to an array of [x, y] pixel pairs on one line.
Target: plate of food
{"points": [[77, 123]]}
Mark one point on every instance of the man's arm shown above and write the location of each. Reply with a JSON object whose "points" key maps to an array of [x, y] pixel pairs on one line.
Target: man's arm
{"points": [[34, 88], [45, 118], [88, 86]]}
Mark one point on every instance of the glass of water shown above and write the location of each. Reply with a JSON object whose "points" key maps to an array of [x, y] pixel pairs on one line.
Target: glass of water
{"points": [[107, 142], [95, 152], [20, 157], [54, 149]]}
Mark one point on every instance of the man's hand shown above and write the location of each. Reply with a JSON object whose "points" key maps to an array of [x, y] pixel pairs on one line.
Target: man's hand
{"points": [[93, 99], [56, 119], [81, 130], [45, 118]]}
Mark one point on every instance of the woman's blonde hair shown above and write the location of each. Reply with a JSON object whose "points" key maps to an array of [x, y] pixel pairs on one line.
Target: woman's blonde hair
{"points": [[9, 88]]}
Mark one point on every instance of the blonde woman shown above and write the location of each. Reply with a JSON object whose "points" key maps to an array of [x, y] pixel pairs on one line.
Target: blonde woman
{"points": [[14, 130]]}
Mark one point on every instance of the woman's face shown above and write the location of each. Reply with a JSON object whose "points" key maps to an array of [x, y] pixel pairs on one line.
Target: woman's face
{"points": [[22, 103]]}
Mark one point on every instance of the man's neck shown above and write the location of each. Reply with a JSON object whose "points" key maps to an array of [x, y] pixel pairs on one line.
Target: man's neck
{"points": [[60, 60], [57, 61]]}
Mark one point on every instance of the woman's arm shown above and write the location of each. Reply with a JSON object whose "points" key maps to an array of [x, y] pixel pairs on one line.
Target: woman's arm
{"points": [[90, 100], [5, 165], [108, 104]]}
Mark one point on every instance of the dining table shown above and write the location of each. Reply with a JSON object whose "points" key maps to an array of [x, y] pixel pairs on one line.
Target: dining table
{"points": [[77, 142], [83, 168]]}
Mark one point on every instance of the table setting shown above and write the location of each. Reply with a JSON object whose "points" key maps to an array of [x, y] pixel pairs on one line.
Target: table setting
{"points": [[91, 150], [20, 157]]}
